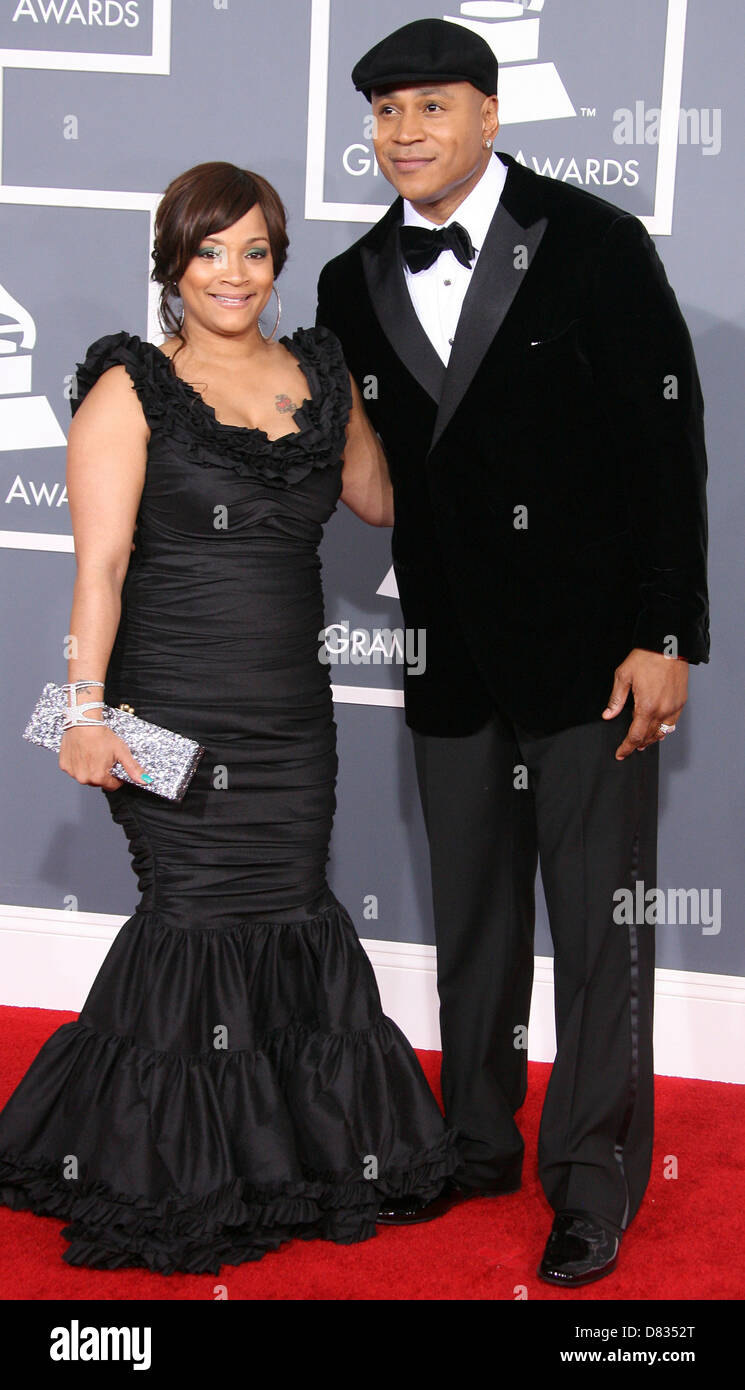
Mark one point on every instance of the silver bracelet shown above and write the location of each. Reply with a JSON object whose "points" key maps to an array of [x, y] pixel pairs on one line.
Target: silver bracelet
{"points": [[75, 713]]}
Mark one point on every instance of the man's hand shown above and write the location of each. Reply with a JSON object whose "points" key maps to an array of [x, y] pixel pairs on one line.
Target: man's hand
{"points": [[660, 688]]}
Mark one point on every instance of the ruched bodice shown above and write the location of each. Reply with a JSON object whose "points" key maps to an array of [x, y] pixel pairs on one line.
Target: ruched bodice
{"points": [[226, 558], [219, 636]]}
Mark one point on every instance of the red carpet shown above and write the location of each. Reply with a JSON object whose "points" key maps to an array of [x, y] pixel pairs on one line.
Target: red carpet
{"points": [[686, 1242]]}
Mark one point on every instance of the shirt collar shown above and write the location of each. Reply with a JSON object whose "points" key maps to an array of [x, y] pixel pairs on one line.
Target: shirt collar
{"points": [[476, 211]]}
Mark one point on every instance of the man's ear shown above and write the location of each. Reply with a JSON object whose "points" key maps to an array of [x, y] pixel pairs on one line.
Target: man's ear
{"points": [[490, 117]]}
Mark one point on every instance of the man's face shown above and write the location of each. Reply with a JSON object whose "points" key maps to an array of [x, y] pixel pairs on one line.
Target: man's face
{"points": [[429, 139]]}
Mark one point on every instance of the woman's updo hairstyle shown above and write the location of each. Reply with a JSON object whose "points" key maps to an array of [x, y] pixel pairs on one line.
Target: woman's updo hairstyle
{"points": [[202, 202]]}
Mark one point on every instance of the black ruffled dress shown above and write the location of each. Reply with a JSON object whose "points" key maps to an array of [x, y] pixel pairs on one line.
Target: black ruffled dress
{"points": [[231, 1081]]}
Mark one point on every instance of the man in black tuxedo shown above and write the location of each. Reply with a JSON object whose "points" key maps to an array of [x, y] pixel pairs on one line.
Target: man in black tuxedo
{"points": [[527, 367]]}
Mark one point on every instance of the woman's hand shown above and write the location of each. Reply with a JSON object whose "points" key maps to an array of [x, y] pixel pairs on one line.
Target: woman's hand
{"points": [[88, 755], [366, 483]]}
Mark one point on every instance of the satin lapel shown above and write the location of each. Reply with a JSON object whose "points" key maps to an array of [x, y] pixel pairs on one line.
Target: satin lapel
{"points": [[494, 284], [383, 268]]}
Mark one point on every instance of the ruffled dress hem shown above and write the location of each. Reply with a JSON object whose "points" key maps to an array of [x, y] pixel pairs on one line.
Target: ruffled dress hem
{"points": [[237, 1222], [335, 1109]]}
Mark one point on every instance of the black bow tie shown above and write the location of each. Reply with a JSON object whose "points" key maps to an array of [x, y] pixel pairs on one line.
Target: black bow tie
{"points": [[421, 246]]}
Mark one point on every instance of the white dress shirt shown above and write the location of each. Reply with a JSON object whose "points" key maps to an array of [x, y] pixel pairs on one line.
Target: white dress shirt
{"points": [[437, 293]]}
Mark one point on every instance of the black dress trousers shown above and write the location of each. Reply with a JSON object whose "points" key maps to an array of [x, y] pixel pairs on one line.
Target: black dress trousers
{"points": [[497, 802]]}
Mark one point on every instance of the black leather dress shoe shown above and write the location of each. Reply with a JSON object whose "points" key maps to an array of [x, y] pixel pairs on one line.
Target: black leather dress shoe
{"points": [[579, 1250], [409, 1211]]}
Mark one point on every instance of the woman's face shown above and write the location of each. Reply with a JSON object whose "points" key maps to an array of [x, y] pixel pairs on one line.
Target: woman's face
{"points": [[228, 282]]}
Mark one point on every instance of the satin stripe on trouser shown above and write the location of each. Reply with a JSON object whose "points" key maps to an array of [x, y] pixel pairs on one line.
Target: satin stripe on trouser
{"points": [[591, 821]]}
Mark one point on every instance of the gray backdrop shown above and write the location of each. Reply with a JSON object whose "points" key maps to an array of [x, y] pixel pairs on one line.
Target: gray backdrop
{"points": [[98, 117]]}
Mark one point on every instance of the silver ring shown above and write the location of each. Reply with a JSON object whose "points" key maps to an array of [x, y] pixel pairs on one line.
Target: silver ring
{"points": [[668, 728]]}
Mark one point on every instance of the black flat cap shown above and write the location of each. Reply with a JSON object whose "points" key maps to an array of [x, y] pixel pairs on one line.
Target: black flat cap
{"points": [[428, 50]]}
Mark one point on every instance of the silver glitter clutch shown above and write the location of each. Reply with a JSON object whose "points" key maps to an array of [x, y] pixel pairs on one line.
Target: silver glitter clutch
{"points": [[170, 759]]}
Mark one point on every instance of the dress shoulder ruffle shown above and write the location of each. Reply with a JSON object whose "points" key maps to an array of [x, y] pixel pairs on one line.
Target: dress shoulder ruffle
{"points": [[173, 408]]}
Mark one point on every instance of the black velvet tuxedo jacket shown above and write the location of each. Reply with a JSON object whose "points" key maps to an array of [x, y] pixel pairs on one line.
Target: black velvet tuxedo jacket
{"points": [[549, 484]]}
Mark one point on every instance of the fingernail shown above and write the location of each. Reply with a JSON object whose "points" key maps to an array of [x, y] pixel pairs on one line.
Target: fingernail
{"points": [[146, 777]]}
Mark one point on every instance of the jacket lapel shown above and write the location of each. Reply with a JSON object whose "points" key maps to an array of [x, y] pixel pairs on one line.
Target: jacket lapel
{"points": [[505, 259], [382, 264]]}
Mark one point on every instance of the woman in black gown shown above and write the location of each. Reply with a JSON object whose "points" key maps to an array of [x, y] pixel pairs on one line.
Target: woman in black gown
{"points": [[231, 1081]]}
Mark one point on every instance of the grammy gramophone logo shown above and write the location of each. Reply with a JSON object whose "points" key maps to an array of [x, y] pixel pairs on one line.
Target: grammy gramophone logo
{"points": [[529, 90], [27, 421]]}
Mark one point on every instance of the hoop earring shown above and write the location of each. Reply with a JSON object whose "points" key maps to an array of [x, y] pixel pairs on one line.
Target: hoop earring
{"points": [[173, 286], [268, 336]]}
